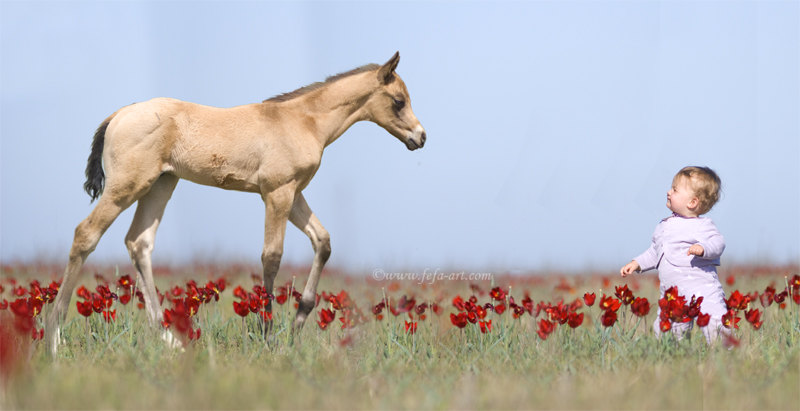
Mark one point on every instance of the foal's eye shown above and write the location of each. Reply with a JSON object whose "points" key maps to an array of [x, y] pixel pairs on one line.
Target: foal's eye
{"points": [[398, 103]]}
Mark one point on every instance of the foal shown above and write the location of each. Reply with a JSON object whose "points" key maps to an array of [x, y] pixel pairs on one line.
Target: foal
{"points": [[272, 148]]}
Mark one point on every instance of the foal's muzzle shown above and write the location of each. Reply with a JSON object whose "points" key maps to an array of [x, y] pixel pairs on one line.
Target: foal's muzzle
{"points": [[416, 139]]}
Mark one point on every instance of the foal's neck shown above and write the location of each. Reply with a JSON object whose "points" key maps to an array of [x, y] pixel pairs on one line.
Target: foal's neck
{"points": [[339, 105]]}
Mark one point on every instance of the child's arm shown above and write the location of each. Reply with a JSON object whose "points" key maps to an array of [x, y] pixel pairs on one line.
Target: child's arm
{"points": [[710, 246], [648, 260], [629, 268], [645, 261]]}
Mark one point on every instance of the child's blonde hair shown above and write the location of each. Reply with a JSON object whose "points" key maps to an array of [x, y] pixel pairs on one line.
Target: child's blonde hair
{"points": [[705, 183]]}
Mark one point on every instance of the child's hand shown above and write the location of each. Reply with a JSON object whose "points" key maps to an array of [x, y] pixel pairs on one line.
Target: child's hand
{"points": [[696, 249], [629, 268]]}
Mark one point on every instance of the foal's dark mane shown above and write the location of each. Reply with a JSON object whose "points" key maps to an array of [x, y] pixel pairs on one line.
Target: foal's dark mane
{"points": [[316, 86]]}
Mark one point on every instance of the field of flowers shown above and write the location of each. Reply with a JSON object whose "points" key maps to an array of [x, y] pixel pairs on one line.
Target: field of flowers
{"points": [[541, 341]]}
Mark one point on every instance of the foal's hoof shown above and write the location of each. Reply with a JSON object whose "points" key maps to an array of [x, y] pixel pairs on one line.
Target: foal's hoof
{"points": [[172, 342], [53, 341]]}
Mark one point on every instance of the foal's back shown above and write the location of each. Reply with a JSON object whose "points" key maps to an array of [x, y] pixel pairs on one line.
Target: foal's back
{"points": [[221, 147]]}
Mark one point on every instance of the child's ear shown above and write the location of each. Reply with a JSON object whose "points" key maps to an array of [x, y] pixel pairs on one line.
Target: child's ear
{"points": [[693, 203]]}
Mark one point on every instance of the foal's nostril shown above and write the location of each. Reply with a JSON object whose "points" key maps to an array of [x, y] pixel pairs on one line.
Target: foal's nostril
{"points": [[424, 137]]}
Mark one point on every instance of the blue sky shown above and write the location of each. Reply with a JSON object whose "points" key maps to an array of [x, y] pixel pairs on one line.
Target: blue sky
{"points": [[554, 128]]}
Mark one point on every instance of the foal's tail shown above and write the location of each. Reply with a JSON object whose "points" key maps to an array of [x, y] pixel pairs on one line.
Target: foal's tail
{"points": [[95, 178]]}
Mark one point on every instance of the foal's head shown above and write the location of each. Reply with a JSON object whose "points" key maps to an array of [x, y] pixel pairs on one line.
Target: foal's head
{"points": [[390, 107]]}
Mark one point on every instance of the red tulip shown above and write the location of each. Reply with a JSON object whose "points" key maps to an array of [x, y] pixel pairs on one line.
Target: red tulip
{"points": [[665, 325], [609, 318], [737, 301], [436, 309], [21, 308], [624, 294], [472, 317], [458, 302], [673, 307], [84, 293], [545, 328], [754, 318], [411, 327], [497, 294], [640, 307], [194, 334], [254, 304], [780, 297], [84, 308], [378, 308], [730, 320], [241, 308], [703, 319], [575, 320], [420, 310], [767, 297], [500, 309], [517, 311], [459, 320], [527, 303], [326, 317], [347, 319], [240, 293], [110, 316], [486, 326], [480, 312], [176, 291], [694, 307], [405, 304], [265, 315], [589, 298], [125, 282], [37, 334], [98, 303], [609, 303]]}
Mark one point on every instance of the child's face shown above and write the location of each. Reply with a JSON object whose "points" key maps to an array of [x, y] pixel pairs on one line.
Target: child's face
{"points": [[681, 198]]}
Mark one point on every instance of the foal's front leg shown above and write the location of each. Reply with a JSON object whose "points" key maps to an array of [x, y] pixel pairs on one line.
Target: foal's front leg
{"points": [[304, 219], [278, 204]]}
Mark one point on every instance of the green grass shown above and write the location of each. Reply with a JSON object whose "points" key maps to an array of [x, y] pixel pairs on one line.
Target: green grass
{"points": [[440, 367]]}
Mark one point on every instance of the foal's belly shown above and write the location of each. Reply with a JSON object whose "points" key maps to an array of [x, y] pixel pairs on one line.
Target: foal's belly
{"points": [[240, 174], [218, 174]]}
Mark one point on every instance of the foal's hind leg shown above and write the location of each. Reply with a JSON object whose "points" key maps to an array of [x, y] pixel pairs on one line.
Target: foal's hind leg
{"points": [[87, 235], [304, 219], [141, 239]]}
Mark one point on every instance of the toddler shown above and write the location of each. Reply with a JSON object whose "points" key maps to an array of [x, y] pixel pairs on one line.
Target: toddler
{"points": [[686, 248]]}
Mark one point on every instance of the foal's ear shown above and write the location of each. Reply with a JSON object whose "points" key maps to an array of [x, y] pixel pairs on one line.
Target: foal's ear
{"points": [[386, 71]]}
